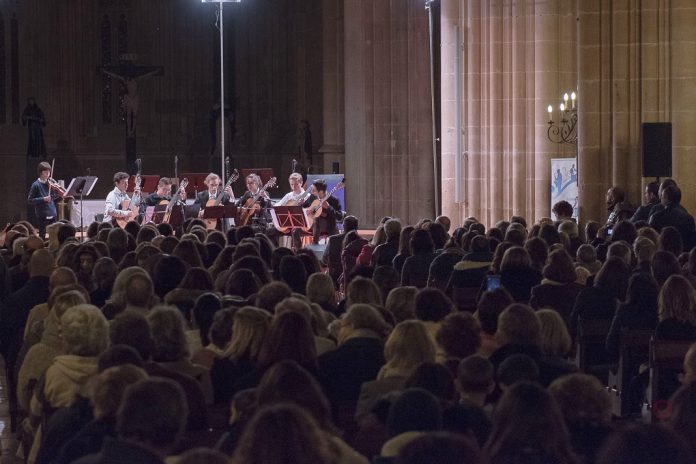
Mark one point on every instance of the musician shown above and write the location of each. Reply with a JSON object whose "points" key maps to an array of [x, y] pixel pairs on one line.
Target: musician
{"points": [[43, 198], [163, 193], [296, 190], [326, 223], [295, 194], [114, 200], [212, 181], [253, 183]]}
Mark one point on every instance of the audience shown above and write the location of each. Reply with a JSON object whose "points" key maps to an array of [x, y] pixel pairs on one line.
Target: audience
{"points": [[401, 353]]}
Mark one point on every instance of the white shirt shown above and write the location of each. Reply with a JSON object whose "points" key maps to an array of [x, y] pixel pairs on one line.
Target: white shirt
{"points": [[114, 200], [290, 196]]}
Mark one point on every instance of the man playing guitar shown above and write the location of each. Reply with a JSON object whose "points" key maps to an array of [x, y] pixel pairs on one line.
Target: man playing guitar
{"points": [[115, 199], [212, 181], [326, 222], [162, 196]]}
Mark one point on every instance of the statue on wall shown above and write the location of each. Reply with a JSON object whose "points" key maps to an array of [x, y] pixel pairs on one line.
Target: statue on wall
{"points": [[129, 77], [33, 118], [304, 143]]}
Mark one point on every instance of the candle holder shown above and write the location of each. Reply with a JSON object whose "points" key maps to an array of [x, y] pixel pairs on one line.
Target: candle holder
{"points": [[564, 131]]}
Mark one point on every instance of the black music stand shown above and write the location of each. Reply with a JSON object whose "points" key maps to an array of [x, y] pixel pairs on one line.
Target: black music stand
{"points": [[288, 217], [81, 186], [177, 215], [196, 182], [223, 212]]}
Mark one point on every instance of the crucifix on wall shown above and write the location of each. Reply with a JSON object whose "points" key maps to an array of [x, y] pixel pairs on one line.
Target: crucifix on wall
{"points": [[129, 74]]}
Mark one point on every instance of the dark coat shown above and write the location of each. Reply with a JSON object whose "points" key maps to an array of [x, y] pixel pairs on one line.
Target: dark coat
{"points": [[673, 330], [675, 216], [519, 282], [416, 269], [549, 368], [593, 303], [560, 297], [627, 318], [332, 256], [121, 452], [87, 441], [643, 212], [385, 253]]}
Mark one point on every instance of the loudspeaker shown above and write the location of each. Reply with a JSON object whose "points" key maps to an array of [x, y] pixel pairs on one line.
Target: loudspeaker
{"points": [[656, 139]]}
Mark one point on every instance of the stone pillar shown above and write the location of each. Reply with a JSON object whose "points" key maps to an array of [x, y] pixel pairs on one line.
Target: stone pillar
{"points": [[333, 148], [387, 106]]}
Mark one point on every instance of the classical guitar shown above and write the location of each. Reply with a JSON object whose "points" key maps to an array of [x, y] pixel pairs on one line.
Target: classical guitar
{"points": [[316, 209], [298, 200], [212, 223], [251, 205], [170, 205], [131, 205]]}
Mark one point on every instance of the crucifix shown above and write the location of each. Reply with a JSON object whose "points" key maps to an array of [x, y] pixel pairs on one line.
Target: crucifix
{"points": [[129, 74]]}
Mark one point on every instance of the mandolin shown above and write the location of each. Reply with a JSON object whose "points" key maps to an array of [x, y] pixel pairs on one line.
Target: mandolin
{"points": [[251, 205]]}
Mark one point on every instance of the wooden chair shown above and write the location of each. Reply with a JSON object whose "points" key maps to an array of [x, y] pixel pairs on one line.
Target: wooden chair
{"points": [[591, 337], [634, 348], [666, 358]]}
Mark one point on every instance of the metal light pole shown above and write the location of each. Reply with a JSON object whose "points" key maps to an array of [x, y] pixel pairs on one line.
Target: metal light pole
{"points": [[221, 28]]}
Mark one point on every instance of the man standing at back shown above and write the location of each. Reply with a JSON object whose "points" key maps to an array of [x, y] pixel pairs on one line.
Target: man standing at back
{"points": [[332, 255]]}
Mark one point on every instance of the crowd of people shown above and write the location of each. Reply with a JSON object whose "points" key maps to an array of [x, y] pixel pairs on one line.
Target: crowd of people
{"points": [[424, 343]]}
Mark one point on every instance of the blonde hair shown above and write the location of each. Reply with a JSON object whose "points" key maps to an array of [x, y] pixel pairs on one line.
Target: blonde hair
{"points": [[401, 302], [209, 177], [362, 290], [248, 332], [296, 176], [85, 330], [320, 289], [676, 300], [407, 347], [555, 339]]}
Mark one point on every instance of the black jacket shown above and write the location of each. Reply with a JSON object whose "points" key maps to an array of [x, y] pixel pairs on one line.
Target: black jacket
{"points": [[675, 216], [121, 452], [203, 197], [643, 212]]}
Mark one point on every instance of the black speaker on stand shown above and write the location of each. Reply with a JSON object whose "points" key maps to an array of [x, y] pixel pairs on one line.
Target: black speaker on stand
{"points": [[656, 140]]}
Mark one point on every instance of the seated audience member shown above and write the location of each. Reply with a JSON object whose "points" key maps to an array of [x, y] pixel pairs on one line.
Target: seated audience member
{"points": [[538, 252], [586, 409], [517, 275], [404, 248], [407, 347], [149, 424], [103, 275], [385, 253], [458, 337], [515, 369], [107, 391], [283, 433], [644, 249], [411, 415], [321, 290], [570, 229], [442, 267], [519, 332], [217, 337], [664, 265], [638, 312], [196, 282], [475, 380], [249, 328], [489, 308], [646, 444], [332, 254], [84, 331], [528, 427], [387, 279], [683, 412], [416, 266], [555, 340], [401, 303], [432, 306], [170, 347], [676, 311], [271, 294], [651, 197], [357, 359], [586, 257], [133, 330], [599, 302], [673, 214], [439, 448], [558, 290]]}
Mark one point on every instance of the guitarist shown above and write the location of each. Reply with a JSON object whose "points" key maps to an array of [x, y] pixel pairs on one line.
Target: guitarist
{"points": [[115, 198], [253, 183], [326, 223], [163, 193], [296, 190], [212, 181]]}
